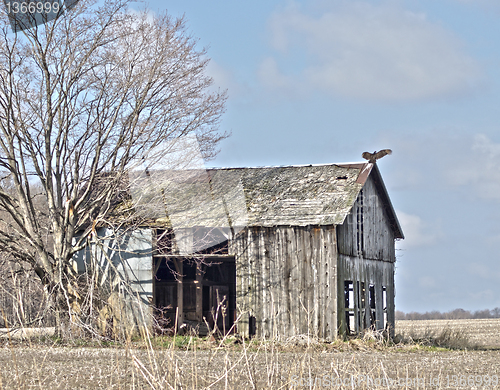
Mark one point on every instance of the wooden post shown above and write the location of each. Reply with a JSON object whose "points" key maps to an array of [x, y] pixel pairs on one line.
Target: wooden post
{"points": [[180, 292], [199, 293]]}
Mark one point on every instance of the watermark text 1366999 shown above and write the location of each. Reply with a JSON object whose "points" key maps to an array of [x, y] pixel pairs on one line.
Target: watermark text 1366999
{"points": [[25, 14], [32, 7]]}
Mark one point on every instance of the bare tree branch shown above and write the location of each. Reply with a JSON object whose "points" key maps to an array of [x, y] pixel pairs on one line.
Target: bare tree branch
{"points": [[82, 99]]}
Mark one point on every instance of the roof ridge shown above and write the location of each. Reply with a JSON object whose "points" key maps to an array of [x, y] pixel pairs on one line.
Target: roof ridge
{"points": [[289, 166]]}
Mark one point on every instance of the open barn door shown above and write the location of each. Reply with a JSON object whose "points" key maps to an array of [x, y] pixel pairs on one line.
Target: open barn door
{"points": [[195, 294]]}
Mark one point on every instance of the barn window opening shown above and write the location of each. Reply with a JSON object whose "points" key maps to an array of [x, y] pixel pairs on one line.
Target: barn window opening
{"points": [[359, 225], [372, 306], [349, 306]]}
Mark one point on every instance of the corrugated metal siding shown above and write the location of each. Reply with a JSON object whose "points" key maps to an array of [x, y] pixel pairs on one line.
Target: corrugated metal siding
{"points": [[286, 279]]}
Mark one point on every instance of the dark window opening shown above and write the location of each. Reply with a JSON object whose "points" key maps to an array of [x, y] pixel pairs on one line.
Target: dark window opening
{"points": [[349, 306], [252, 326], [373, 316], [165, 269]]}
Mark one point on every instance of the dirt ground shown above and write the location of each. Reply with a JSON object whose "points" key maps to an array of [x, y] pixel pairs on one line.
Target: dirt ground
{"points": [[106, 368]]}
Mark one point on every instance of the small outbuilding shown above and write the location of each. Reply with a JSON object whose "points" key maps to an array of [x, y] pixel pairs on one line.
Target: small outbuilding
{"points": [[270, 252]]}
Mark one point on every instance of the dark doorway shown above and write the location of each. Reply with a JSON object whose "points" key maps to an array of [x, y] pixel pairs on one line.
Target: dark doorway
{"points": [[195, 291]]}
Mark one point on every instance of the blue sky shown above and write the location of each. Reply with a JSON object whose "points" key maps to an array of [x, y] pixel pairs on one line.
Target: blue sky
{"points": [[315, 81]]}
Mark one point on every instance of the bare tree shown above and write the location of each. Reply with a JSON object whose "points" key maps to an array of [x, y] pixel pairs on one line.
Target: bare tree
{"points": [[82, 99]]}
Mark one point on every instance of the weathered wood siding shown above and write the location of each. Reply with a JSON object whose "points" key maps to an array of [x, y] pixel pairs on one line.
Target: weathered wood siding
{"points": [[286, 279], [367, 255], [380, 274], [378, 235]]}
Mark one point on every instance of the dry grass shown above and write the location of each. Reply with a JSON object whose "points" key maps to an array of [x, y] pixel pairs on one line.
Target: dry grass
{"points": [[186, 362], [483, 333], [26, 333], [106, 368]]}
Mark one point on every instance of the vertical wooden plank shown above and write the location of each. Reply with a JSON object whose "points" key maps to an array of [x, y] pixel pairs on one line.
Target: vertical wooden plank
{"points": [[287, 298], [317, 281], [314, 235], [303, 268], [379, 303], [180, 292], [341, 277], [390, 304], [295, 293], [241, 259], [251, 272], [199, 293], [333, 290], [271, 266], [262, 282]]}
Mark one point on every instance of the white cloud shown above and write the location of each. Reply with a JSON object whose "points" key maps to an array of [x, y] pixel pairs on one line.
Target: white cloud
{"points": [[223, 79], [483, 270], [417, 232], [270, 75], [487, 5], [365, 51], [446, 159], [483, 297], [476, 166]]}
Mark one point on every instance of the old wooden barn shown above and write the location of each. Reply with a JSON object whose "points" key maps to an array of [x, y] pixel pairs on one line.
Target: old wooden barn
{"points": [[271, 252]]}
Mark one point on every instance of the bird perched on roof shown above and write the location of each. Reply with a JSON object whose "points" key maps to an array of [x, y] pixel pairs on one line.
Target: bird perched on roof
{"points": [[373, 157]]}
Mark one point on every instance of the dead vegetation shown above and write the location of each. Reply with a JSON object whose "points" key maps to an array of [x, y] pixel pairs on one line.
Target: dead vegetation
{"points": [[420, 357], [460, 333], [187, 362]]}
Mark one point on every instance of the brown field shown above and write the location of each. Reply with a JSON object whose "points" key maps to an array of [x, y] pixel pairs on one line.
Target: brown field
{"points": [[357, 364], [483, 333], [105, 368]]}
